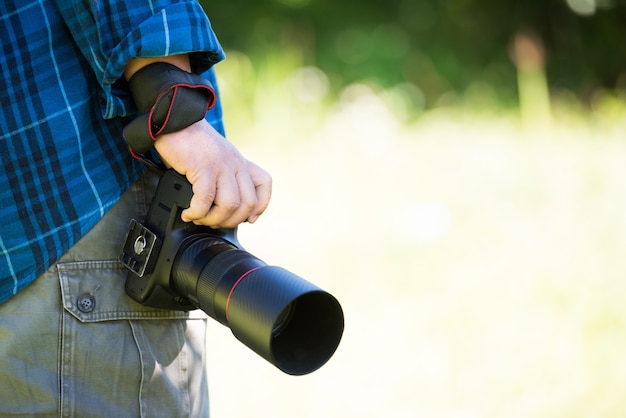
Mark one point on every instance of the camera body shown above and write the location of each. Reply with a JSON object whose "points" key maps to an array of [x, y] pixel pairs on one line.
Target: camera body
{"points": [[175, 265], [150, 248]]}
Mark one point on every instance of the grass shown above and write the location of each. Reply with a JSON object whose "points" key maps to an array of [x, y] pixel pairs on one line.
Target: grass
{"points": [[480, 262]]}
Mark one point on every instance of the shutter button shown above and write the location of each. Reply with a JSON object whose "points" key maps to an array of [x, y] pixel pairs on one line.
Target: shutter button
{"points": [[86, 303]]}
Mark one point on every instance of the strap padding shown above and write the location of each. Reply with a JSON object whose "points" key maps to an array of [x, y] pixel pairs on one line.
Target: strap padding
{"points": [[169, 100]]}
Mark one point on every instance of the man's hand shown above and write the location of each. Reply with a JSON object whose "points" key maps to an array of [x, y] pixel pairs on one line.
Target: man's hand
{"points": [[228, 189]]}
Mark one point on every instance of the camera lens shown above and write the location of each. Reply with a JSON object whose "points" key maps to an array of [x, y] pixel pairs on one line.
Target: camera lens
{"points": [[287, 320], [283, 319]]}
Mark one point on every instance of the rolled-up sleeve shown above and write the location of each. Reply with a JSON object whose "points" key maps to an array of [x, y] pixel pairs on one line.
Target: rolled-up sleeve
{"points": [[111, 33]]}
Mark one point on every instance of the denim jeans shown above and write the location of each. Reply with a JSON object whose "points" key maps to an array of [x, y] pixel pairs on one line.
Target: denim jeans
{"points": [[73, 344]]}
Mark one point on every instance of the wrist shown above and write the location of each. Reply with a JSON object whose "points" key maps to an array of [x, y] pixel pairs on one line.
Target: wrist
{"points": [[181, 61]]}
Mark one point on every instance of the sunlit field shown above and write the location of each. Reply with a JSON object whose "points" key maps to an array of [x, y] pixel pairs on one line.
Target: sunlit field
{"points": [[480, 261]]}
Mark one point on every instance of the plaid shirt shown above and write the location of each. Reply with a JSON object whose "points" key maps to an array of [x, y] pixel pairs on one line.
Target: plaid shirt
{"points": [[64, 104]]}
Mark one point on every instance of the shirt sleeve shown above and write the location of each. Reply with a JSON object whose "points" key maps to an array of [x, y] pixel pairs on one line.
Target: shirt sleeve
{"points": [[110, 33]]}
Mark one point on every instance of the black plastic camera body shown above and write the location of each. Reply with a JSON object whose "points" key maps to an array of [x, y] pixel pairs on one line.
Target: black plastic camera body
{"points": [[175, 265], [150, 249]]}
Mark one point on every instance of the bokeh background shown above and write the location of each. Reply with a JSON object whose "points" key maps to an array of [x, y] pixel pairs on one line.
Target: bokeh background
{"points": [[455, 173]]}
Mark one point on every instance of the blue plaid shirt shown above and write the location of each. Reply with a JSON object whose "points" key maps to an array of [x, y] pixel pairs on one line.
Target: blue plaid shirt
{"points": [[64, 104]]}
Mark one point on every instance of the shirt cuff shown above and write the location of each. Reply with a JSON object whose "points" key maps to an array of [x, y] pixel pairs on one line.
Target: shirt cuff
{"points": [[180, 28]]}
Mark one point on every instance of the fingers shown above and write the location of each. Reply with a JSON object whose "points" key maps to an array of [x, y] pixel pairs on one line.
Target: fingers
{"points": [[204, 193], [234, 201], [263, 188], [230, 199]]}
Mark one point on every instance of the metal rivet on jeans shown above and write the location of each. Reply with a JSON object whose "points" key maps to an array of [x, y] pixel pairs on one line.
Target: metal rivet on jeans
{"points": [[86, 303]]}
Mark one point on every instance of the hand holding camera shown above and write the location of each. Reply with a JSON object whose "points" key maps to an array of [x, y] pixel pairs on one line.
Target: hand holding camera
{"points": [[172, 104], [290, 322]]}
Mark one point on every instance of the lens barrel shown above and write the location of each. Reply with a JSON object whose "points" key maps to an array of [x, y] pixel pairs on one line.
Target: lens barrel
{"points": [[290, 322]]}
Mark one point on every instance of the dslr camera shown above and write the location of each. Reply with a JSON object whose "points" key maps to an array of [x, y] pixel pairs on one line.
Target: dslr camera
{"points": [[175, 265]]}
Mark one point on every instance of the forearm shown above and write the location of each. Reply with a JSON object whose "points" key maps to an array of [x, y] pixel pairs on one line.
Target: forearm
{"points": [[135, 64]]}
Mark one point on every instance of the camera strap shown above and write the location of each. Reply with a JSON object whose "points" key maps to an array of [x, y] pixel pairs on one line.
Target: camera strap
{"points": [[169, 99]]}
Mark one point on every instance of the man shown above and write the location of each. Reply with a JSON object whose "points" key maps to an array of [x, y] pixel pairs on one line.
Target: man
{"points": [[71, 342]]}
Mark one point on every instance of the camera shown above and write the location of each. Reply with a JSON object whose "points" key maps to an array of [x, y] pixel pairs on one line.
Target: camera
{"points": [[176, 265]]}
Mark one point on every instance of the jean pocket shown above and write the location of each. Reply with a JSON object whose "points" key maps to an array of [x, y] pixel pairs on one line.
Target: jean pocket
{"points": [[126, 358]]}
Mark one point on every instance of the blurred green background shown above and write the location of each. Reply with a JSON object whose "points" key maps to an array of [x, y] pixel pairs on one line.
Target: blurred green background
{"points": [[439, 47], [454, 173]]}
